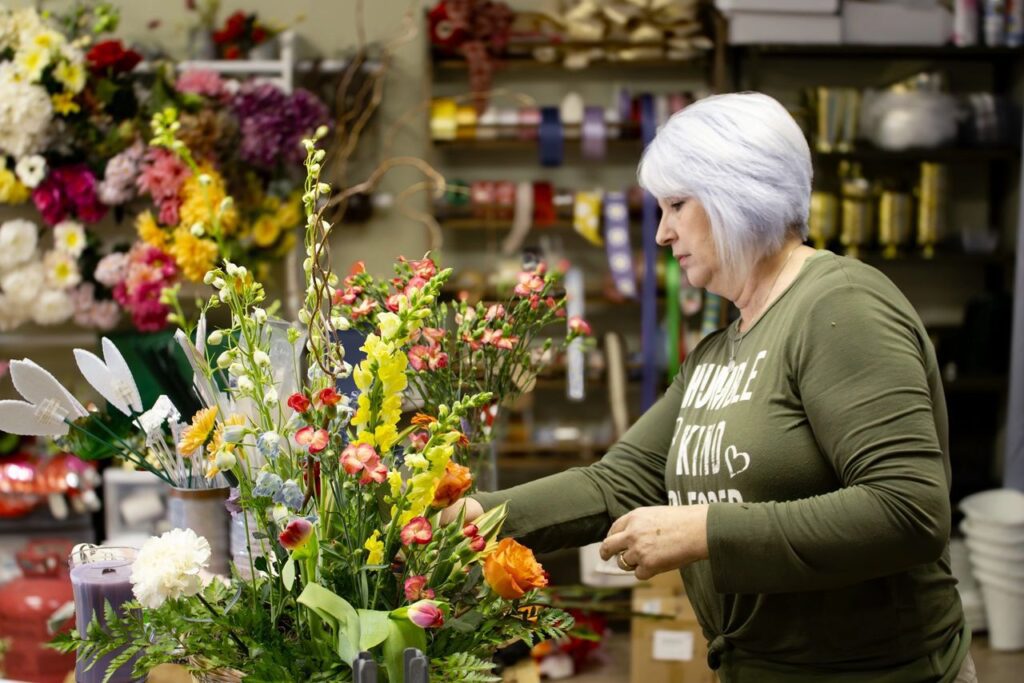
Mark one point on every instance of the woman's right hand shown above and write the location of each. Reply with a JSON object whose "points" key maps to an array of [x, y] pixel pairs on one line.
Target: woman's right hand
{"points": [[451, 513]]}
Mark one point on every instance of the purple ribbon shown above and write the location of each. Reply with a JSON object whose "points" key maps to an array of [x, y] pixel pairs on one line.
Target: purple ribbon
{"points": [[616, 243], [595, 137], [551, 141], [649, 292]]}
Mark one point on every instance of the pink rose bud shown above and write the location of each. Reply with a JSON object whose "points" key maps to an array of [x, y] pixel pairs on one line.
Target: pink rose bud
{"points": [[470, 530], [478, 544], [296, 534], [418, 530], [426, 614]]}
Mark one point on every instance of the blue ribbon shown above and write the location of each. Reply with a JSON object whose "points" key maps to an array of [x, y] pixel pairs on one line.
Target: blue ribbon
{"points": [[649, 291], [550, 140], [616, 243]]}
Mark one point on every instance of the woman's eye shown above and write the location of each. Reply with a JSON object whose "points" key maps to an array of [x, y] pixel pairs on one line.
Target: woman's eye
{"points": [[678, 205]]}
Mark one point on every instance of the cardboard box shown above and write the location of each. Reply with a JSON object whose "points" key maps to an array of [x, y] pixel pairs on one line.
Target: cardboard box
{"points": [[777, 27], [669, 582], [887, 23], [667, 650]]}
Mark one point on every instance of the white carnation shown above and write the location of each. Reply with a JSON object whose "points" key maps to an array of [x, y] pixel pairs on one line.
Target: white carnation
{"points": [[61, 270], [25, 114], [24, 284], [52, 308], [170, 567], [12, 314], [31, 170], [18, 240]]}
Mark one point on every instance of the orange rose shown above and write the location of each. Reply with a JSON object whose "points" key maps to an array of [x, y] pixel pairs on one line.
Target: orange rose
{"points": [[511, 570], [455, 481]]}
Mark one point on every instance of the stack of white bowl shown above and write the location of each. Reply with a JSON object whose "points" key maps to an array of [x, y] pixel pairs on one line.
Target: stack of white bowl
{"points": [[994, 533]]}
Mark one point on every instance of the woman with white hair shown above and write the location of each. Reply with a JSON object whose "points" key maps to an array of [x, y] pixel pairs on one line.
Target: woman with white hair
{"points": [[797, 470]]}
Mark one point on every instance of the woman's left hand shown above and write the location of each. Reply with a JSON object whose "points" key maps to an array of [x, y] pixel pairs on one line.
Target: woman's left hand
{"points": [[659, 539]]}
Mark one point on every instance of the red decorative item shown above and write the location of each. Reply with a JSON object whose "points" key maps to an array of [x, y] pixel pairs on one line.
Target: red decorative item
{"points": [[476, 29], [27, 481], [26, 604]]}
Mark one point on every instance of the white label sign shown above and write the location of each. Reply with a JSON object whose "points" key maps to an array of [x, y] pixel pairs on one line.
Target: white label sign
{"points": [[673, 646]]}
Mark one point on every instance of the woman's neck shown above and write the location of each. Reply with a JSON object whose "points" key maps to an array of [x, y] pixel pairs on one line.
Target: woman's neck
{"points": [[768, 280]]}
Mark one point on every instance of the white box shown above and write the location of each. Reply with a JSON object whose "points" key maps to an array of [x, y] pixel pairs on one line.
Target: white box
{"points": [[135, 505], [600, 573], [783, 6], [892, 23], [775, 27]]}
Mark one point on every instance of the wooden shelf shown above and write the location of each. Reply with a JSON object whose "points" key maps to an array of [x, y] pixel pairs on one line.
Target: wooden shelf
{"points": [[572, 145], [944, 52], [581, 447], [951, 154]]}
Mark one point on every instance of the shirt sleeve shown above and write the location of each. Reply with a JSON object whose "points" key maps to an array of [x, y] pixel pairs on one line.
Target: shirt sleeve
{"points": [[859, 367], [577, 507]]}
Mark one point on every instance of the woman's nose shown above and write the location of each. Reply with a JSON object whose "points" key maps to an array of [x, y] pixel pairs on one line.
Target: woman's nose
{"points": [[664, 235]]}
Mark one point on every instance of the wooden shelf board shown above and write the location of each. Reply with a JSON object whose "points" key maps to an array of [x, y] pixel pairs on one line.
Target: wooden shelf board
{"points": [[883, 51]]}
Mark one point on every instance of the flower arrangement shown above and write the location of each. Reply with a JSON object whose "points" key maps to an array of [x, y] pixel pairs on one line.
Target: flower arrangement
{"points": [[345, 493], [460, 349], [240, 33]]}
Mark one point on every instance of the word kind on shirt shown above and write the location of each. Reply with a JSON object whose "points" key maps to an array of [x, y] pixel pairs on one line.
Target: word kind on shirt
{"points": [[699, 446]]}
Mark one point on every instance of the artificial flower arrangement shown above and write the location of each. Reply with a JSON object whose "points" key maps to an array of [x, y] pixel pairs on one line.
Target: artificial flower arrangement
{"points": [[348, 554], [462, 349], [240, 34]]}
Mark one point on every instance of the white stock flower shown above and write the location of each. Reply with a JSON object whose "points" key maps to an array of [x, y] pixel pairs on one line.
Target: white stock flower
{"points": [[25, 113], [52, 308], [169, 567], [61, 270], [24, 284], [69, 237], [30, 170], [18, 240]]}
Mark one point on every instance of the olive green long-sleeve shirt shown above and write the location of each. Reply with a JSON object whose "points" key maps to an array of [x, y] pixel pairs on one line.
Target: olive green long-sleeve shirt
{"points": [[819, 437]]}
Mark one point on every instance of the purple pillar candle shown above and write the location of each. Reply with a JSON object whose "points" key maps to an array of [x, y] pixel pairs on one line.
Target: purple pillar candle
{"points": [[100, 575]]}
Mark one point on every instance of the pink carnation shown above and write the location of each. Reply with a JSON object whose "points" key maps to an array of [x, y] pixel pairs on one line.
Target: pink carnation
{"points": [[202, 82], [162, 175]]}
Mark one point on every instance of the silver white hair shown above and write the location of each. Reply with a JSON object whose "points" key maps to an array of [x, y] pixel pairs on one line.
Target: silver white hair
{"points": [[745, 159]]}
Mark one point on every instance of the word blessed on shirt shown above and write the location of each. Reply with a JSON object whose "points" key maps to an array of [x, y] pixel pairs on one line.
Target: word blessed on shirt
{"points": [[697, 443]]}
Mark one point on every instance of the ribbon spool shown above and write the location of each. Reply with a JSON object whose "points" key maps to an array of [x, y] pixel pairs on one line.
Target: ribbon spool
{"points": [[443, 121], [895, 221], [508, 123], [487, 125], [482, 198], [931, 210], [543, 204], [575, 294], [529, 121], [465, 121], [587, 216], [649, 292], [617, 246], [505, 199], [673, 316], [551, 143], [595, 137], [571, 111], [857, 210], [823, 226]]}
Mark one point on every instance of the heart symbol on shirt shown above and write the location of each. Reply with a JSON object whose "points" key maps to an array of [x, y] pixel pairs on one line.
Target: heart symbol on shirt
{"points": [[732, 458]]}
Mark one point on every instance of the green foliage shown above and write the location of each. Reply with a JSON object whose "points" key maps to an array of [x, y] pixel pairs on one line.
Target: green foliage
{"points": [[462, 668]]}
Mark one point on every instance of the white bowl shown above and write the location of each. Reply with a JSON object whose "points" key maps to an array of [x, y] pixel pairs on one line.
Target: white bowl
{"points": [[1004, 612], [998, 534], [998, 506], [1011, 571], [1006, 584], [995, 551]]}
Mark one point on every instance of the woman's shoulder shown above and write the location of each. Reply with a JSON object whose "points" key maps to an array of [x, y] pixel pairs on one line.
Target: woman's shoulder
{"points": [[835, 277]]}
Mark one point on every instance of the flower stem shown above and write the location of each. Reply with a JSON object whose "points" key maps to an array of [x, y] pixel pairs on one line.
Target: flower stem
{"points": [[231, 634]]}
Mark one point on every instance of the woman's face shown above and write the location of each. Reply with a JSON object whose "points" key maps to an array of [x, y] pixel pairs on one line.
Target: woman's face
{"points": [[686, 230]]}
